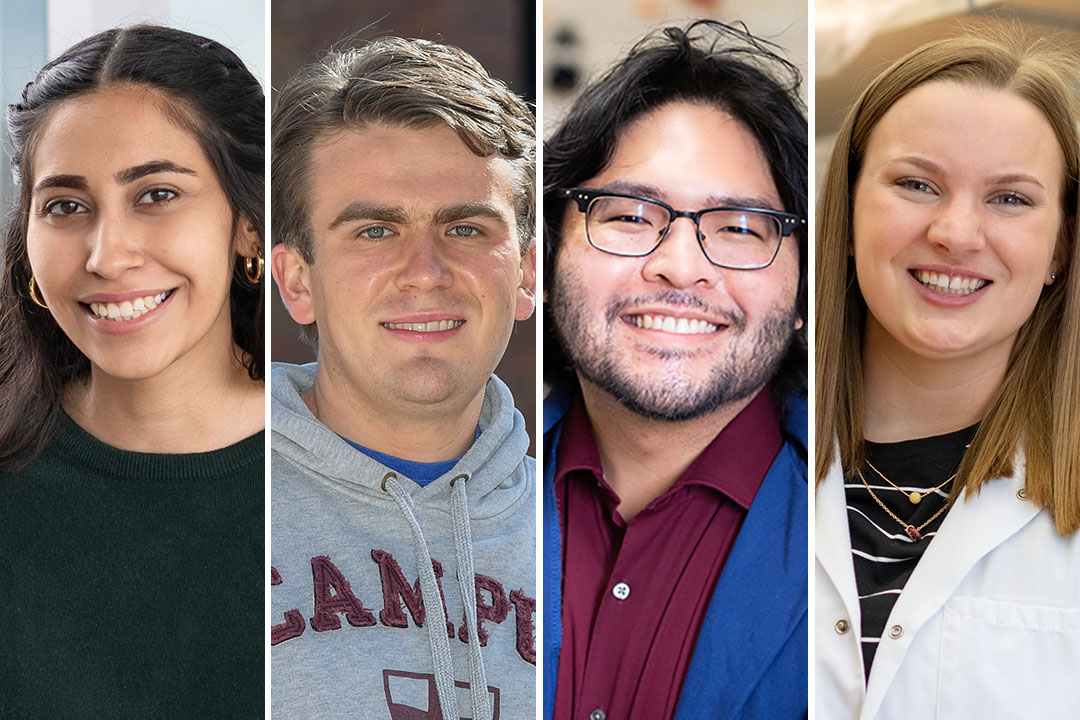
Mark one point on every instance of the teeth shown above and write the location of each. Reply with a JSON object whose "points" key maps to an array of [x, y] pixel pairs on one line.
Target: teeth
{"points": [[433, 326], [952, 284], [678, 326], [128, 309]]}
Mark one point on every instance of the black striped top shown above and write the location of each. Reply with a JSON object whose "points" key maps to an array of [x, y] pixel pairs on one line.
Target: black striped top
{"points": [[883, 553]]}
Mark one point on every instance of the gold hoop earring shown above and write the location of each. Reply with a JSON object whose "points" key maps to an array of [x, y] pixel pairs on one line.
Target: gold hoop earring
{"points": [[35, 297], [253, 266]]}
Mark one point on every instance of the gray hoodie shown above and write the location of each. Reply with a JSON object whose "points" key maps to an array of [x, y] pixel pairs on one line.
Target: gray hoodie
{"points": [[362, 557]]}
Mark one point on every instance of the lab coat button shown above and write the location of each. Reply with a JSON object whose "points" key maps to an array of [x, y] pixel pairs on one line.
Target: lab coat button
{"points": [[621, 592], [842, 626], [895, 631], [598, 714]]}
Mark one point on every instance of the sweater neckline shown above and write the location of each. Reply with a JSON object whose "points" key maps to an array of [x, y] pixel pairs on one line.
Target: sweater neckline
{"points": [[73, 440]]}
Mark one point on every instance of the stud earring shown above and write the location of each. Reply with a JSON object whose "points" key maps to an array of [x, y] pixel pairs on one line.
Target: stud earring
{"points": [[35, 297], [253, 266]]}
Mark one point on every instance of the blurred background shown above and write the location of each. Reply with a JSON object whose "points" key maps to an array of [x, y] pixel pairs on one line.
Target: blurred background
{"points": [[856, 40], [32, 32], [583, 39], [498, 33]]}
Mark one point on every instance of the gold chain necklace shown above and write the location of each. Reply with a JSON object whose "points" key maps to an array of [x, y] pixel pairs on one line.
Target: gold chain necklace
{"points": [[914, 497], [915, 533]]}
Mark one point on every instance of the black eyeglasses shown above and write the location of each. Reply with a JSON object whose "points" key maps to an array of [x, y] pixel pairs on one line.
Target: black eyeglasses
{"points": [[736, 238]]}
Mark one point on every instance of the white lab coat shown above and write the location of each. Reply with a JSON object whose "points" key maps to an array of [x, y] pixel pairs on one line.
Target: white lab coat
{"points": [[988, 625]]}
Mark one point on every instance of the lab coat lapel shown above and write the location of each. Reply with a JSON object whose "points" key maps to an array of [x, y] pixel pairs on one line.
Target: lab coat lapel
{"points": [[832, 539], [972, 529]]}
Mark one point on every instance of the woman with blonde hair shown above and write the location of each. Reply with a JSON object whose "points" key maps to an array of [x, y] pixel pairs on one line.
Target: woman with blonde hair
{"points": [[948, 389]]}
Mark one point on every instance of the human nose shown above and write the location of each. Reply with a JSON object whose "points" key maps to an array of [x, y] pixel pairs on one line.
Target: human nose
{"points": [[424, 266], [679, 260], [115, 246], [957, 227]]}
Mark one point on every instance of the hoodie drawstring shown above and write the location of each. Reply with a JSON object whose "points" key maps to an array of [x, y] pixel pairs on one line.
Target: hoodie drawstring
{"points": [[433, 609], [467, 582], [429, 592]]}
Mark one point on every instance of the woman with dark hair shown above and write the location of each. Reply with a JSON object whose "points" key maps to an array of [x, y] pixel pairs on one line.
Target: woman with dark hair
{"points": [[131, 393], [948, 392]]}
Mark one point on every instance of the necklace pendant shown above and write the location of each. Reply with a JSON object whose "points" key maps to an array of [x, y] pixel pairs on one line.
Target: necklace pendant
{"points": [[913, 533], [915, 498]]}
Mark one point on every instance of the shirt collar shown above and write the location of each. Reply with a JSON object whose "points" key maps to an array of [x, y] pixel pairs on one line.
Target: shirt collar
{"points": [[734, 463]]}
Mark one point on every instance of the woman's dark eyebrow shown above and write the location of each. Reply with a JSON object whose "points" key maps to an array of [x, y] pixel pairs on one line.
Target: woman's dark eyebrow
{"points": [[124, 177], [132, 174], [73, 182]]}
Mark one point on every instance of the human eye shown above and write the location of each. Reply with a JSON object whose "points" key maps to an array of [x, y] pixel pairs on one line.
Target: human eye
{"points": [[464, 231], [375, 232], [630, 216], [623, 212], [735, 226], [917, 185], [1011, 198], [63, 207], [739, 230], [156, 196]]}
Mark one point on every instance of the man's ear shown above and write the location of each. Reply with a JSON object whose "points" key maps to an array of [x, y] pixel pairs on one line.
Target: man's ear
{"points": [[526, 294], [293, 277]]}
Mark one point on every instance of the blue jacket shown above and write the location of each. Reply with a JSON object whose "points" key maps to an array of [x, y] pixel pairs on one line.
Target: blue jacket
{"points": [[751, 655]]}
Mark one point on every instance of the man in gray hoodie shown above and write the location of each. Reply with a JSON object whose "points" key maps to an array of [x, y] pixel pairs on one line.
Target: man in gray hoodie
{"points": [[403, 513]]}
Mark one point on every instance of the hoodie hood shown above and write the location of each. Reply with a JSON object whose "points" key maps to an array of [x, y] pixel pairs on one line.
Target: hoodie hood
{"points": [[490, 463]]}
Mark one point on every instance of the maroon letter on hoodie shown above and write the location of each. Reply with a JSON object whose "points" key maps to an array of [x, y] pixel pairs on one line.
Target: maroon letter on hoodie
{"points": [[294, 622], [524, 609], [327, 605], [496, 611]]}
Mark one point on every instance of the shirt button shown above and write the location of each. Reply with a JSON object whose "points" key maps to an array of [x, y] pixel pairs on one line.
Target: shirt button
{"points": [[620, 591], [598, 714], [895, 631], [842, 626]]}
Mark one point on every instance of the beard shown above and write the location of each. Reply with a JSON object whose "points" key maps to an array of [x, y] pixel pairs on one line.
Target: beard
{"points": [[674, 392]]}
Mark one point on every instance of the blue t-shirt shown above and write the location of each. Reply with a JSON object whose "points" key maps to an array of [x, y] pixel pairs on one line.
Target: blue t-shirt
{"points": [[423, 474]]}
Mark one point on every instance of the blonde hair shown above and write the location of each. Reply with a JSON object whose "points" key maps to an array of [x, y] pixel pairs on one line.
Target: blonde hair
{"points": [[1037, 407]]}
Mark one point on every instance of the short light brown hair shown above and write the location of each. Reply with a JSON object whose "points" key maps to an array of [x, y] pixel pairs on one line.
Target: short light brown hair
{"points": [[1037, 407], [399, 83]]}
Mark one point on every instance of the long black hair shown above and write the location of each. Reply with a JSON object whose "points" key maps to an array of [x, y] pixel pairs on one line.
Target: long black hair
{"points": [[707, 62], [210, 93]]}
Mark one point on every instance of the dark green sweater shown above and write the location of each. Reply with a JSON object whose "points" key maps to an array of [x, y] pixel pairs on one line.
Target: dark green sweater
{"points": [[131, 584]]}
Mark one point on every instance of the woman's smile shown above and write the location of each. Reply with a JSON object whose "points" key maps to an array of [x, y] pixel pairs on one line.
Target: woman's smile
{"points": [[131, 237]]}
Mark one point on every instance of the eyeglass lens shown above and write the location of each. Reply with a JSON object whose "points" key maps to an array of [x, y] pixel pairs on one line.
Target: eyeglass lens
{"points": [[733, 238]]}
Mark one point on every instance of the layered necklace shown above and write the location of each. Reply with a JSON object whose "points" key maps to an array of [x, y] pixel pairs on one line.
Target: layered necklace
{"points": [[914, 497]]}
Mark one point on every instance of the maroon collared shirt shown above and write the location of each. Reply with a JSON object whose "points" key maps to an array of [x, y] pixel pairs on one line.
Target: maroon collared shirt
{"points": [[635, 594]]}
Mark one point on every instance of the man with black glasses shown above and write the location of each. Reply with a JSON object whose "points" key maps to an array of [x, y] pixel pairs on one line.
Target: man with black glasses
{"points": [[675, 495]]}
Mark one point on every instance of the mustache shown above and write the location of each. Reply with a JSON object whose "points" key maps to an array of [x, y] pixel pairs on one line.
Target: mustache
{"points": [[686, 299]]}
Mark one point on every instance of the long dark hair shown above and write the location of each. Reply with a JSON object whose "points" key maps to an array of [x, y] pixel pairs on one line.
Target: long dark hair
{"points": [[707, 62], [210, 94]]}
